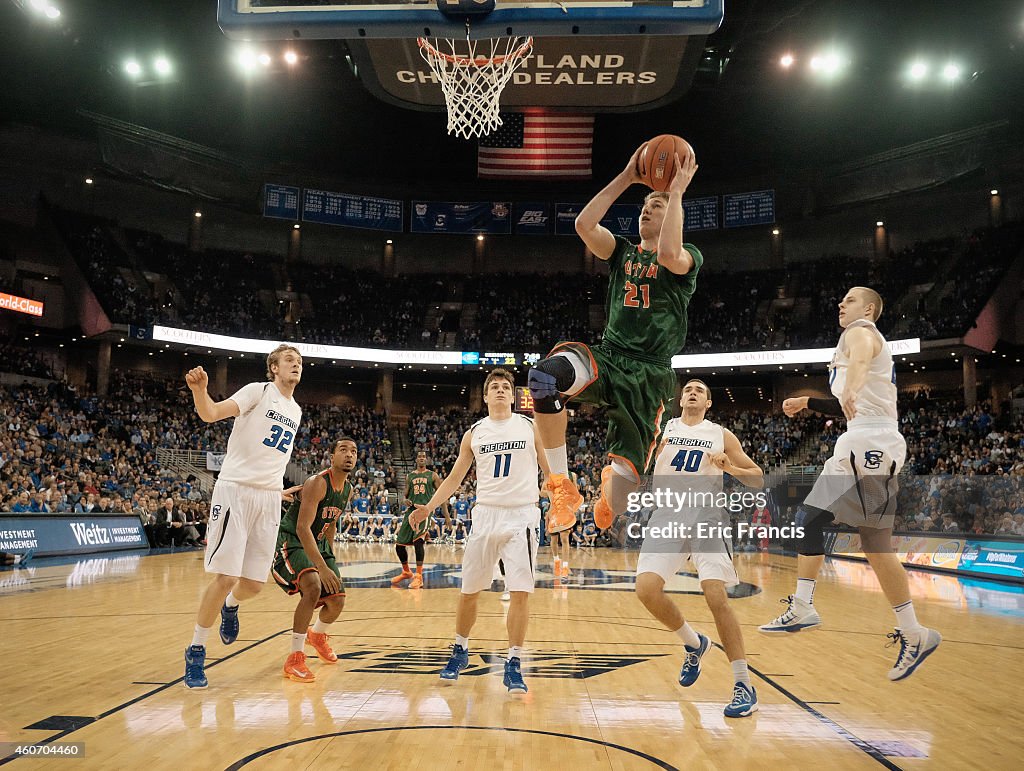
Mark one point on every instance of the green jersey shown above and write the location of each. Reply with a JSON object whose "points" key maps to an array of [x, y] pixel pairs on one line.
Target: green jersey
{"points": [[328, 510], [420, 486], [647, 303]]}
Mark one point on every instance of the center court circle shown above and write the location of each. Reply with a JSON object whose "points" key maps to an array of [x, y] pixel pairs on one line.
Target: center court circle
{"points": [[324, 759]]}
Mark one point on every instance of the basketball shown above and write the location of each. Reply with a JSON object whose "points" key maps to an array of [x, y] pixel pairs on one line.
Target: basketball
{"points": [[656, 164]]}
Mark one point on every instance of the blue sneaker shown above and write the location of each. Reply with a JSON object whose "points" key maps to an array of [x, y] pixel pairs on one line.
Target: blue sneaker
{"points": [[195, 661], [744, 701], [514, 677], [28, 555], [458, 662], [228, 624], [691, 666]]}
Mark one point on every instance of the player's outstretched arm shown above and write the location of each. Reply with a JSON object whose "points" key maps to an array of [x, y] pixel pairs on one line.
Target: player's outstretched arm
{"points": [[598, 238], [210, 411], [735, 462], [451, 482]]}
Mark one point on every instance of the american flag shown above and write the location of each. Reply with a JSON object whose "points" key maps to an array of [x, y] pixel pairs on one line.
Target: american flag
{"points": [[537, 144]]}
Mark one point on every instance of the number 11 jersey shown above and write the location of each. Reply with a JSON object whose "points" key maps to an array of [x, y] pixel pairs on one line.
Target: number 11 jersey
{"points": [[506, 462]]}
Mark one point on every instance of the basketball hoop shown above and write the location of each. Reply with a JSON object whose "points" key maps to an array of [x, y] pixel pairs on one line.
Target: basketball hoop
{"points": [[473, 73]]}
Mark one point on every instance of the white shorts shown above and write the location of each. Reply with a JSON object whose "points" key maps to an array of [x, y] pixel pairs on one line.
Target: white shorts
{"points": [[242, 533], [858, 484], [711, 557], [506, 534]]}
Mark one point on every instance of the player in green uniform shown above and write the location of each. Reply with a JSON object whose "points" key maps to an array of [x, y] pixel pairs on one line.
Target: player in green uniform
{"points": [[630, 372], [304, 559], [419, 488]]}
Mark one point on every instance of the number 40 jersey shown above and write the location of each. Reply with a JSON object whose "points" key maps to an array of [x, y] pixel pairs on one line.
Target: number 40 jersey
{"points": [[687, 454], [262, 437]]}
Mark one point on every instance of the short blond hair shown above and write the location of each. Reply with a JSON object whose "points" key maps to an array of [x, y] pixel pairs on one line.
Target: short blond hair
{"points": [[870, 297], [656, 194], [275, 355]]}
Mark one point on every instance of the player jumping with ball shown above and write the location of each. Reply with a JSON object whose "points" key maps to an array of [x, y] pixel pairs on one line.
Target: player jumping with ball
{"points": [[630, 372]]}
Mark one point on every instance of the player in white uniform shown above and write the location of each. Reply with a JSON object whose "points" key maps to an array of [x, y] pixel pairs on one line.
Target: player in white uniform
{"points": [[692, 459], [506, 519], [245, 511], [858, 485]]}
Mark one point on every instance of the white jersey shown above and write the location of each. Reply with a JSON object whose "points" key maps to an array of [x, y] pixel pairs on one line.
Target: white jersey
{"points": [[688, 450], [506, 462], [262, 438], [877, 399]]}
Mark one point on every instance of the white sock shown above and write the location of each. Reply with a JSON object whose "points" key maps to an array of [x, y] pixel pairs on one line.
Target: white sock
{"points": [[17, 559], [321, 627], [740, 674], [515, 652], [906, 618], [688, 636], [200, 634], [230, 600], [298, 641], [463, 641], [805, 590], [558, 460]]}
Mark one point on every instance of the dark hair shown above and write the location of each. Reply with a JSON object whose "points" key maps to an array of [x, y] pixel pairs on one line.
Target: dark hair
{"points": [[499, 374], [698, 380], [341, 439]]}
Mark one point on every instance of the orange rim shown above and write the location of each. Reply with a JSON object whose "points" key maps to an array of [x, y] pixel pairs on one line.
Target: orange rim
{"points": [[479, 61]]}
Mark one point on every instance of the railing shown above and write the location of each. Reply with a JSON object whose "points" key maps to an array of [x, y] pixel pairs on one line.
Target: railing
{"points": [[187, 462]]}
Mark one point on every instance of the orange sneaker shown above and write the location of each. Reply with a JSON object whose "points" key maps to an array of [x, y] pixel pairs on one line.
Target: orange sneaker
{"points": [[565, 570], [321, 643], [295, 668], [417, 581], [401, 577], [565, 499], [603, 514]]}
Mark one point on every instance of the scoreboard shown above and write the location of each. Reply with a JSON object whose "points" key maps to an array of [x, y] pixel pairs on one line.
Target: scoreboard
{"points": [[524, 401]]}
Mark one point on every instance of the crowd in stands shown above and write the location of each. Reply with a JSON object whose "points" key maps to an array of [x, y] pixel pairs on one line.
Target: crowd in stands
{"points": [[932, 289], [28, 361], [533, 311]]}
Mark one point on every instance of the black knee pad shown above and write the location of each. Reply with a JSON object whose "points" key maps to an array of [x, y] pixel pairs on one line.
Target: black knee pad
{"points": [[813, 521], [548, 380]]}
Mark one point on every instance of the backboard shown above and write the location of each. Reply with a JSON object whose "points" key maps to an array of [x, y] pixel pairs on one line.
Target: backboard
{"points": [[318, 19]]}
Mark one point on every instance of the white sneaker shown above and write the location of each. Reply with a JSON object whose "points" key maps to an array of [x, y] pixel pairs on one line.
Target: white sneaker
{"points": [[799, 615], [505, 596], [914, 649]]}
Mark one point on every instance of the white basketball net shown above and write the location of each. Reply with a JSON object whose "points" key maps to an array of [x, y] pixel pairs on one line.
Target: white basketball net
{"points": [[473, 73]]}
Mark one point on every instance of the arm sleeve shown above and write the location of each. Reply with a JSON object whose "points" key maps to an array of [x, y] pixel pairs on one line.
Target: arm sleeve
{"points": [[248, 396], [825, 406]]}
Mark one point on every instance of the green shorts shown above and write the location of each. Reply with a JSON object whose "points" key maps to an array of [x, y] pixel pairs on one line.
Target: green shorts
{"points": [[406, 536], [636, 395], [290, 562]]}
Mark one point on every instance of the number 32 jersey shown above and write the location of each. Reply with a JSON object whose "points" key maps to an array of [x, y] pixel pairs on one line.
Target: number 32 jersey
{"points": [[506, 462], [262, 437]]}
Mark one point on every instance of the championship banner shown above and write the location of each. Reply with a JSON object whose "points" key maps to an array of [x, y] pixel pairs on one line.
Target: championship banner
{"points": [[493, 217], [52, 534], [352, 211], [281, 202], [745, 209]]}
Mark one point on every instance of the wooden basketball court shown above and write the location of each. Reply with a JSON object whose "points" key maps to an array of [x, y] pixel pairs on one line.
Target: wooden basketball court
{"points": [[93, 654]]}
